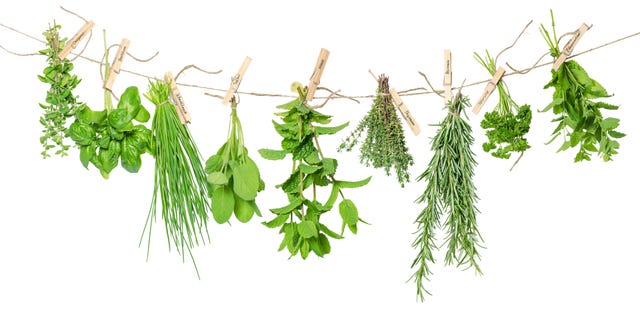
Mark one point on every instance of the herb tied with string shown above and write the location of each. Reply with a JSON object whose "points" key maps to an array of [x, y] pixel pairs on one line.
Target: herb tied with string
{"points": [[180, 182], [234, 176], [60, 103], [450, 191], [384, 145], [508, 123], [299, 220], [580, 120]]}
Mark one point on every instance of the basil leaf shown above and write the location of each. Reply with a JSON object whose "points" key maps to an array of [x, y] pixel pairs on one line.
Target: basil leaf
{"points": [[81, 133]]}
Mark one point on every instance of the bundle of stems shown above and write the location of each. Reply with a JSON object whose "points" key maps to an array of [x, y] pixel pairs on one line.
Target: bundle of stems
{"points": [[180, 180], [384, 145], [450, 190]]}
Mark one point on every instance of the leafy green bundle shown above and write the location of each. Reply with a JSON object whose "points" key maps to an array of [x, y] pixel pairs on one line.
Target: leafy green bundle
{"points": [[450, 190], [234, 177], [180, 180], [300, 219], [106, 136], [60, 103], [384, 145], [507, 124], [580, 120]]}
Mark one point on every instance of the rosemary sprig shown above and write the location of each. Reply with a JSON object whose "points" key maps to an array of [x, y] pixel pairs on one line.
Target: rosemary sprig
{"points": [[179, 180], [384, 145], [450, 190]]}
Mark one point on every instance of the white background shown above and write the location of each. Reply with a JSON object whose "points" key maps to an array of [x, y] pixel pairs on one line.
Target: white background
{"points": [[561, 238]]}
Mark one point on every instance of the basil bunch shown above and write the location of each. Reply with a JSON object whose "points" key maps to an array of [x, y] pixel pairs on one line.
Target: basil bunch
{"points": [[105, 137]]}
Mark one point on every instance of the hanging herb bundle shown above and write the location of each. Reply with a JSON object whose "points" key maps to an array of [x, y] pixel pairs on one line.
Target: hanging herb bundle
{"points": [[299, 220], [384, 145], [580, 120], [234, 176], [508, 123], [450, 191], [180, 182], [106, 136], [60, 103]]}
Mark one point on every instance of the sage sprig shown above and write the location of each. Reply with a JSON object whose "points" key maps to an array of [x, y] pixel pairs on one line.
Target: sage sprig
{"points": [[60, 103], [299, 220], [450, 191], [234, 176], [180, 182], [384, 145]]}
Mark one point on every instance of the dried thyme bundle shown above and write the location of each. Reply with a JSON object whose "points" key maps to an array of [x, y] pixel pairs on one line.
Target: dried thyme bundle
{"points": [[384, 145]]}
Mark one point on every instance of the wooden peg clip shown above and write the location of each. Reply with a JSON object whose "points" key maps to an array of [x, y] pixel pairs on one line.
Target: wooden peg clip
{"points": [[178, 101], [448, 76], [317, 73], [235, 81], [117, 63], [71, 44], [413, 124], [568, 48], [488, 90]]}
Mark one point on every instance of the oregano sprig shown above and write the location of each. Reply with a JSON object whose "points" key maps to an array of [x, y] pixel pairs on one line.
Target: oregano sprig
{"points": [[299, 220], [580, 120], [60, 103], [450, 191], [384, 145]]}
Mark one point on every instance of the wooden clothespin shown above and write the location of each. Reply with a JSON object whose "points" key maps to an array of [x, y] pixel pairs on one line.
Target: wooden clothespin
{"points": [[235, 81], [178, 101], [317, 73], [117, 63], [488, 89], [408, 118], [71, 44], [448, 76], [568, 48]]}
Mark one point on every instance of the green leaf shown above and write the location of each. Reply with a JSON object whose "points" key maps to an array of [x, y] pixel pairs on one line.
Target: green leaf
{"points": [[88, 116], [143, 115], [130, 160], [217, 178], [616, 134], [352, 184], [130, 101], [272, 154], [243, 210], [348, 212], [288, 208], [309, 169], [222, 204], [335, 190], [304, 250], [246, 180], [81, 133], [307, 229], [120, 120], [213, 164], [277, 221], [353, 228], [330, 166], [86, 154], [323, 243], [609, 124], [313, 157], [289, 105], [331, 130], [329, 232]]}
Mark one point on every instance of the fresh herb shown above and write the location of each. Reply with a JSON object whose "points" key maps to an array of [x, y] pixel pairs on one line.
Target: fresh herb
{"points": [[507, 124], [450, 190], [180, 180], [299, 220], [60, 104], [384, 145], [234, 177], [580, 120]]}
